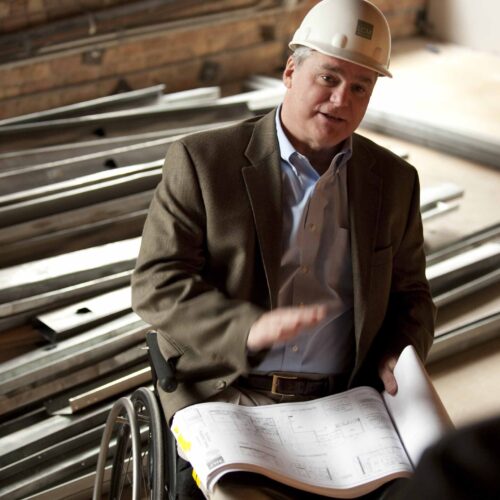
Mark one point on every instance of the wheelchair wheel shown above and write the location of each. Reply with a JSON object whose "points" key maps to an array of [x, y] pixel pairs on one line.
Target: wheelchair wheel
{"points": [[138, 461]]}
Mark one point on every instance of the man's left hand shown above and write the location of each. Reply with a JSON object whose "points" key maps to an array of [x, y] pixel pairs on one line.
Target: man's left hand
{"points": [[386, 374]]}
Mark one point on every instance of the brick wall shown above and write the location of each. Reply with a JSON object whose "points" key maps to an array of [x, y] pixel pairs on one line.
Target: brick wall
{"points": [[21, 14], [209, 49]]}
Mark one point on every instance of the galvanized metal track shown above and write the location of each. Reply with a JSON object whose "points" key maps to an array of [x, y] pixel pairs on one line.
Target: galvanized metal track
{"points": [[54, 273], [80, 182], [137, 378], [20, 311], [149, 96], [439, 199], [488, 233], [41, 435], [474, 147], [44, 206], [124, 100], [468, 267], [63, 322], [82, 484], [69, 355], [26, 158], [90, 437], [84, 236], [57, 439], [94, 383], [40, 176], [71, 220], [119, 123], [465, 336]]}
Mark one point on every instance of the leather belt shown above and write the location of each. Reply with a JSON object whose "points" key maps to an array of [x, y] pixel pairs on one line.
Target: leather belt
{"points": [[291, 385]]}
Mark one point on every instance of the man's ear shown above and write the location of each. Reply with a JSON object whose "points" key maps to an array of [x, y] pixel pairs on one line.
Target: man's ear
{"points": [[288, 72]]}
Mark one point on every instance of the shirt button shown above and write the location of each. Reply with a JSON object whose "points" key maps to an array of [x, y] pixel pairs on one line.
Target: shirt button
{"points": [[305, 269], [295, 348]]}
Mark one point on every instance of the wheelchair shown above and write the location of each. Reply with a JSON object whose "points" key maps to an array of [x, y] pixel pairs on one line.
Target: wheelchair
{"points": [[145, 462]]}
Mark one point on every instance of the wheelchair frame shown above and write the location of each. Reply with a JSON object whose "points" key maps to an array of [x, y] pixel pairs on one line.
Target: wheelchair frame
{"points": [[144, 451]]}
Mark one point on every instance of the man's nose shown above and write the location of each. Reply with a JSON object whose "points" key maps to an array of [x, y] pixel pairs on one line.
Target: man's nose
{"points": [[339, 95]]}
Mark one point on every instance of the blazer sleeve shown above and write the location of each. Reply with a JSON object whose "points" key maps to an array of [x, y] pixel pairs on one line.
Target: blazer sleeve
{"points": [[199, 325], [410, 313]]}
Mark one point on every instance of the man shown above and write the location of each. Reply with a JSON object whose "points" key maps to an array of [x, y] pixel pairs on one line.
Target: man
{"points": [[282, 258]]}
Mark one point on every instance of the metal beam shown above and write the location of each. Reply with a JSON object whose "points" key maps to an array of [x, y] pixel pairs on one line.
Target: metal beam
{"points": [[70, 354], [458, 270], [52, 383], [62, 322], [117, 386], [37, 176], [80, 182], [82, 486], [124, 100], [471, 286], [20, 311], [466, 243], [47, 432], [22, 421], [48, 205], [474, 147], [441, 208], [82, 440], [43, 477], [26, 158], [71, 220], [432, 195], [465, 336], [53, 273], [69, 240], [31, 135]]}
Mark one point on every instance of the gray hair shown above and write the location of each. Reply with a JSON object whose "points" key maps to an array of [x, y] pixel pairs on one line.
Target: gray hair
{"points": [[300, 54]]}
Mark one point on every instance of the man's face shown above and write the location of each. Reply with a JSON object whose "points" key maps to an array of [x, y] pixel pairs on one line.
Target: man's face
{"points": [[325, 101]]}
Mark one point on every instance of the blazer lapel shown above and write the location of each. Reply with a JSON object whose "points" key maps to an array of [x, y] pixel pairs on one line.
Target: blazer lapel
{"points": [[365, 191], [263, 184]]}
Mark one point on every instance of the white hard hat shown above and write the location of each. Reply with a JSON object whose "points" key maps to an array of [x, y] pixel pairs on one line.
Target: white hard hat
{"points": [[353, 30]]}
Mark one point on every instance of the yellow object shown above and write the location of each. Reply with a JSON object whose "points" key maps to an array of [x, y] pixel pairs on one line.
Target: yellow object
{"points": [[196, 478], [181, 441]]}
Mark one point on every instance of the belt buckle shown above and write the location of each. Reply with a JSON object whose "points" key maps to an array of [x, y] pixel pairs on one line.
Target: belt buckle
{"points": [[276, 379]]}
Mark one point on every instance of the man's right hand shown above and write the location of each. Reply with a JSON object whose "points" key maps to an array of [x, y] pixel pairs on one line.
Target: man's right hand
{"points": [[282, 324]]}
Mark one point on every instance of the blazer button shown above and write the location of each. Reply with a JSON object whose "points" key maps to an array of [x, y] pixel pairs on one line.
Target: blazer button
{"points": [[220, 384]]}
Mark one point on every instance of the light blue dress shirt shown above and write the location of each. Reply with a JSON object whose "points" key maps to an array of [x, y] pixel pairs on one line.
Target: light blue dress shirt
{"points": [[316, 262]]}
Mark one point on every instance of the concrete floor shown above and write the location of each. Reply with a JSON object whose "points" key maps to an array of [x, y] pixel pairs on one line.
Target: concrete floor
{"points": [[459, 89]]}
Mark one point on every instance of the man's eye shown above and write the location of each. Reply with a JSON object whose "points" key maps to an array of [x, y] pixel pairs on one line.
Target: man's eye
{"points": [[359, 89], [329, 79]]}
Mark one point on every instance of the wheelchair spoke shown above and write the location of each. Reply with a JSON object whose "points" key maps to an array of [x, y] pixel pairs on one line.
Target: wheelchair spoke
{"points": [[121, 480]]}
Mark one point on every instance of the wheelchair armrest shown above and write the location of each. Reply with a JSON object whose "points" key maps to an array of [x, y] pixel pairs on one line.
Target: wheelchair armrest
{"points": [[163, 370]]}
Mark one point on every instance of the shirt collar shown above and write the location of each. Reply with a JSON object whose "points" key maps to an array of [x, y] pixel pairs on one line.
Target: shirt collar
{"points": [[287, 149]]}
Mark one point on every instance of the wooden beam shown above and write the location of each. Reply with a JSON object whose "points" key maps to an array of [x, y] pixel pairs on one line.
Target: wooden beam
{"points": [[249, 40]]}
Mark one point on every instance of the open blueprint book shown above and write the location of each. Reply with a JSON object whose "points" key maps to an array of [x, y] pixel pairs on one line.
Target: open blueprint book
{"points": [[343, 445]]}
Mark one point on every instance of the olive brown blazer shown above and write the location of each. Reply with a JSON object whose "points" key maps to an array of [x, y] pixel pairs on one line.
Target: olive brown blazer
{"points": [[211, 249]]}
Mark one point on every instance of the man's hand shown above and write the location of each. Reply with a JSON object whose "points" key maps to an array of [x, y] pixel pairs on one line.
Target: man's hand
{"points": [[282, 324], [386, 374]]}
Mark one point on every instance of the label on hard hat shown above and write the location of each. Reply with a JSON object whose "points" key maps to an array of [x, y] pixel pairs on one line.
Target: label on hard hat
{"points": [[364, 29]]}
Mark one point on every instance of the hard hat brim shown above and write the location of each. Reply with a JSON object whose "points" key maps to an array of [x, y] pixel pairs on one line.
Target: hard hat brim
{"points": [[345, 55]]}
